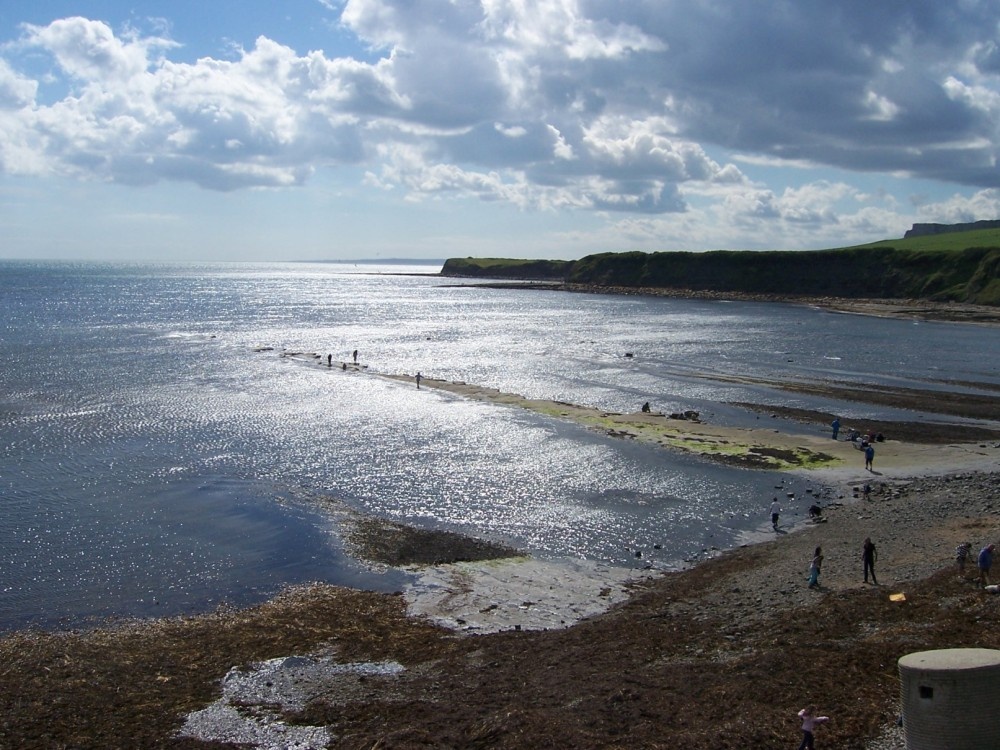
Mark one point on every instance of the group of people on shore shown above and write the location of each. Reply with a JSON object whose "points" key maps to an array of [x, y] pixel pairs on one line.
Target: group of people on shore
{"points": [[343, 365], [869, 556], [984, 561], [869, 553], [863, 441]]}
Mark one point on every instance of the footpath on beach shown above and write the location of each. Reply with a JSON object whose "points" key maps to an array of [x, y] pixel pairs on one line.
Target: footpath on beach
{"points": [[839, 464], [794, 447], [782, 445]]}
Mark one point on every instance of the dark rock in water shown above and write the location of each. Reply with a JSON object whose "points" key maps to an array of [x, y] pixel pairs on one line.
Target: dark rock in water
{"points": [[690, 415]]}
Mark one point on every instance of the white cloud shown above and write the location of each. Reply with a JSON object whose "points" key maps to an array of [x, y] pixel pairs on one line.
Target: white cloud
{"points": [[561, 149], [16, 91], [596, 106], [880, 107], [960, 209], [89, 50], [561, 28]]}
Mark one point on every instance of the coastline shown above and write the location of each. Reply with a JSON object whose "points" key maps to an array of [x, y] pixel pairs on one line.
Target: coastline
{"points": [[800, 441], [643, 674], [633, 659], [910, 309]]}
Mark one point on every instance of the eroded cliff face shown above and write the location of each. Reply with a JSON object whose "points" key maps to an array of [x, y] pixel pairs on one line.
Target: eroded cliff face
{"points": [[923, 230], [507, 268], [970, 275]]}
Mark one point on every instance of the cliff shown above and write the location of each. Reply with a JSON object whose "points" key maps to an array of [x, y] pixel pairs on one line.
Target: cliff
{"points": [[942, 274], [922, 230], [508, 268]]}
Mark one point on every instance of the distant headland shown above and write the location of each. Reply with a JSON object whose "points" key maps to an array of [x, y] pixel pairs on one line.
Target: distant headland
{"points": [[922, 230], [933, 262]]}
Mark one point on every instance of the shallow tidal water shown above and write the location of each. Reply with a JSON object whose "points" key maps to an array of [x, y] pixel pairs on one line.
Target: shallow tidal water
{"points": [[159, 456]]}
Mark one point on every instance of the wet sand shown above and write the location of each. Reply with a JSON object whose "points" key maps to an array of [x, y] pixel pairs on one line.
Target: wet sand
{"points": [[780, 444], [500, 589], [907, 309]]}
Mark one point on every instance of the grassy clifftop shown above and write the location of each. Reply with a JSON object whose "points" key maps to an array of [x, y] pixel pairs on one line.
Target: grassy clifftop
{"points": [[959, 267], [508, 268]]}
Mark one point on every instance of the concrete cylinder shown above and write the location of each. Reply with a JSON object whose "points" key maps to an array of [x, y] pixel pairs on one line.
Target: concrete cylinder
{"points": [[950, 698]]}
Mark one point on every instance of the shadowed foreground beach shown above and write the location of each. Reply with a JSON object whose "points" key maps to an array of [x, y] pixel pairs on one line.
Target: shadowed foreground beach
{"points": [[720, 655]]}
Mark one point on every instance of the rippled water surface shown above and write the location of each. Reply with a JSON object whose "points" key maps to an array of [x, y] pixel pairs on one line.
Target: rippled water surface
{"points": [[155, 460]]}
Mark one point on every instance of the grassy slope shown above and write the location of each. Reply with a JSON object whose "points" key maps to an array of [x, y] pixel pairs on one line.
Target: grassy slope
{"points": [[956, 266], [947, 241]]}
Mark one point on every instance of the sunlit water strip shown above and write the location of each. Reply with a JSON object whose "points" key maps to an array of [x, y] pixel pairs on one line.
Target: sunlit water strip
{"points": [[153, 461]]}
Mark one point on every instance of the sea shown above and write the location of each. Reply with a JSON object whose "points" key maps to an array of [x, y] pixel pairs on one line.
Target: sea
{"points": [[162, 454]]}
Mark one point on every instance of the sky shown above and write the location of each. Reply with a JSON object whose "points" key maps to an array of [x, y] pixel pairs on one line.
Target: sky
{"points": [[384, 129]]}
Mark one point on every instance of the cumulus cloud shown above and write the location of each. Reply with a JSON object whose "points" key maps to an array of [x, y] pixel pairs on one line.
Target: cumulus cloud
{"points": [[16, 91], [960, 209], [89, 50], [599, 105]]}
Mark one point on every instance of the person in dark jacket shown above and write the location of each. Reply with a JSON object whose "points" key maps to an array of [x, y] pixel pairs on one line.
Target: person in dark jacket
{"points": [[985, 563], [868, 557]]}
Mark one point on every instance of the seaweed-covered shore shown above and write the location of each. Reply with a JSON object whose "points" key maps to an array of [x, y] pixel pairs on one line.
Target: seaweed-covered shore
{"points": [[720, 655]]}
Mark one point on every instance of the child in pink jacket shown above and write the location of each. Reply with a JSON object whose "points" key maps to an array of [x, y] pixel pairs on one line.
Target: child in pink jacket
{"points": [[809, 722]]}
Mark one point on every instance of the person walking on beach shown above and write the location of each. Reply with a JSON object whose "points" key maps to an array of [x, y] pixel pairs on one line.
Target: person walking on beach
{"points": [[355, 356], [836, 427], [869, 456], [868, 557], [329, 360], [775, 512], [814, 568], [809, 722], [985, 563], [418, 381]]}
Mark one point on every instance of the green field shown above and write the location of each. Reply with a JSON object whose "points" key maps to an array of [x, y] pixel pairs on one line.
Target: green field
{"points": [[946, 241]]}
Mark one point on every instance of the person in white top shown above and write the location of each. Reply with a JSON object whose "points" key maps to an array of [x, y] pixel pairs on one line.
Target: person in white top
{"points": [[775, 512], [809, 722]]}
